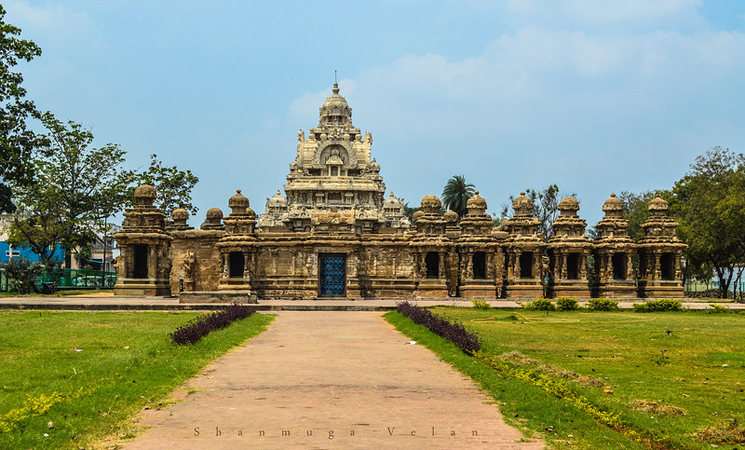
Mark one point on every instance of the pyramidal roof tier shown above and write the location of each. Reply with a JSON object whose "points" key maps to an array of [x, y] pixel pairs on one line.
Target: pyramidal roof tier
{"points": [[334, 171], [335, 110]]}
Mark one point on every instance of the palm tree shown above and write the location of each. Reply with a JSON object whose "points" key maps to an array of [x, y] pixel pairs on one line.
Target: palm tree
{"points": [[456, 194]]}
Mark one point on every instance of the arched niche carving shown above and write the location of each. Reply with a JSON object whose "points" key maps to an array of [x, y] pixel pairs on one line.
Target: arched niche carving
{"points": [[346, 152]]}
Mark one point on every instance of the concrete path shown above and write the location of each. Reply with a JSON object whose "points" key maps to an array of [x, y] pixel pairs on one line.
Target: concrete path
{"points": [[330, 380], [107, 301]]}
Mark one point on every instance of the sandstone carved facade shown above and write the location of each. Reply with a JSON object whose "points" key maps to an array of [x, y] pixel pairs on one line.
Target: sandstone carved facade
{"points": [[334, 234]]}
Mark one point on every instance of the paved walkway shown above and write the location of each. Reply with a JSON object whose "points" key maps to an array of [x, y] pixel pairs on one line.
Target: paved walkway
{"points": [[107, 301], [330, 380]]}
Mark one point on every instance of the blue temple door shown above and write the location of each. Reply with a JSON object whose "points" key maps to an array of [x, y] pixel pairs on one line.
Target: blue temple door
{"points": [[333, 273]]}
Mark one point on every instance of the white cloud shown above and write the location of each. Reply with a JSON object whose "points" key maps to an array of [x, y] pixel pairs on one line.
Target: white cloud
{"points": [[49, 22], [598, 14], [630, 10]]}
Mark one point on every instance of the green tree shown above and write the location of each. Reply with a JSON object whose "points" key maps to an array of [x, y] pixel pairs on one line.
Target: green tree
{"points": [[635, 211], [17, 143], [409, 211], [22, 273], [708, 204], [456, 193], [75, 189], [173, 186]]}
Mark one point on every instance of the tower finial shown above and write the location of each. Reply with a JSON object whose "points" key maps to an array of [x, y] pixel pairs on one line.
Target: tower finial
{"points": [[335, 90]]}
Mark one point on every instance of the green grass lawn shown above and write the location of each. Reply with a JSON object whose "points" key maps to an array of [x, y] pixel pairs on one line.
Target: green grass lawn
{"points": [[667, 397], [69, 378], [59, 293]]}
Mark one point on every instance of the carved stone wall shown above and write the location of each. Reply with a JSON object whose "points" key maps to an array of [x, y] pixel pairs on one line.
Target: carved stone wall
{"points": [[195, 258], [334, 235]]}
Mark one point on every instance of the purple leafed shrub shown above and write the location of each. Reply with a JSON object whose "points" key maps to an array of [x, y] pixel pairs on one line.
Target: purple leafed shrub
{"points": [[453, 332], [204, 324]]}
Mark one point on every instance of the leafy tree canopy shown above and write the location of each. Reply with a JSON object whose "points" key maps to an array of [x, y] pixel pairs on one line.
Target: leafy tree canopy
{"points": [[17, 143], [409, 211], [77, 188], [635, 211], [173, 186], [709, 204], [456, 193], [22, 273]]}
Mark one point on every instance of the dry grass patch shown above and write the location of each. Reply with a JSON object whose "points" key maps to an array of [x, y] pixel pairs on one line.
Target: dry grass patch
{"points": [[521, 360], [657, 409], [726, 432]]}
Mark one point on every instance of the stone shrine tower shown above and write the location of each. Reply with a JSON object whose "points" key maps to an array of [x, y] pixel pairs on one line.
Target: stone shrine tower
{"points": [[524, 247], [660, 250], [334, 172], [568, 250], [614, 253], [144, 265]]}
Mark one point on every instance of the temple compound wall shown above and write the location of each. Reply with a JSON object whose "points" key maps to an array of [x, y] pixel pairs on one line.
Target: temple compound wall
{"points": [[334, 235]]}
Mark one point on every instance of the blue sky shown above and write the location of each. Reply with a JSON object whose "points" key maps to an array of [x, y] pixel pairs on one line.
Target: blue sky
{"points": [[595, 96]]}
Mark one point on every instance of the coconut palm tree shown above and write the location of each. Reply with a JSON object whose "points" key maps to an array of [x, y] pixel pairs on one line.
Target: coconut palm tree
{"points": [[456, 194]]}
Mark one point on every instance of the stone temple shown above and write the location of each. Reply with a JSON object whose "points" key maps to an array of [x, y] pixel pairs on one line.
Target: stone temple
{"points": [[335, 234]]}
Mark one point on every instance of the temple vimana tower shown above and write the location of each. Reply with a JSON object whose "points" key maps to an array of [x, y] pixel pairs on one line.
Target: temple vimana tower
{"points": [[335, 234]]}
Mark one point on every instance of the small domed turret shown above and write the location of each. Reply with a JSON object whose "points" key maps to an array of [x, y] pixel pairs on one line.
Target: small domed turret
{"points": [[180, 214], [392, 205], [523, 205], [613, 207], [431, 204], [568, 207], [476, 204], [451, 217], [238, 203], [145, 195], [213, 220], [658, 207], [277, 203], [335, 110]]}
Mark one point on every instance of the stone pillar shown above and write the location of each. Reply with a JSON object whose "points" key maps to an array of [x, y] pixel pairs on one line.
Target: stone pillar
{"points": [[583, 266], [629, 266], [246, 267], [441, 265], [490, 268], [469, 266], [152, 259], [225, 265], [128, 260], [563, 270]]}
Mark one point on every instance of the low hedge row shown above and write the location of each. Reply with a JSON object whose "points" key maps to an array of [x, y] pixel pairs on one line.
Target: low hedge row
{"points": [[570, 304], [663, 304], [453, 332], [600, 304], [204, 324]]}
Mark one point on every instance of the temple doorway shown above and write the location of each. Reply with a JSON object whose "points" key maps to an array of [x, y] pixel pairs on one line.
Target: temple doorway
{"points": [[140, 261], [333, 275]]}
